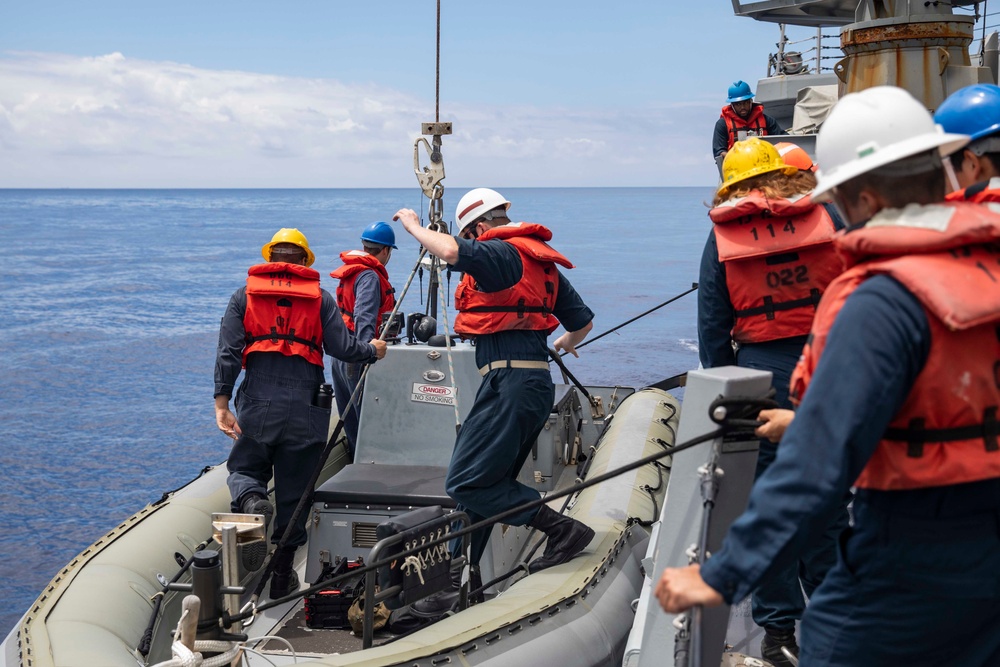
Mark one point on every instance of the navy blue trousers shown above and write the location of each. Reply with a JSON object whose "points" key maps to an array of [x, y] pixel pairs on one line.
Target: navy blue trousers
{"points": [[283, 432], [345, 379], [908, 591], [511, 407], [779, 601]]}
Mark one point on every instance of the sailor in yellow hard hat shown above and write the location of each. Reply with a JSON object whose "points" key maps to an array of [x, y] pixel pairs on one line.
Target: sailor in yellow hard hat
{"points": [[767, 261], [284, 243], [278, 327]]}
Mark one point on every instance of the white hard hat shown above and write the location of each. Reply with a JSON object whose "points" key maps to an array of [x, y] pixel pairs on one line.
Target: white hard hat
{"points": [[474, 204], [872, 129]]}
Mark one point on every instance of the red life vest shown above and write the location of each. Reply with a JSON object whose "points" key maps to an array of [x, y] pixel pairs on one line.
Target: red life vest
{"points": [[754, 125], [946, 430], [779, 258], [357, 262], [283, 311], [979, 193], [525, 305]]}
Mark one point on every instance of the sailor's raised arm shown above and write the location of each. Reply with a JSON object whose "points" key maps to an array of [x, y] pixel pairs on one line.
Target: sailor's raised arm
{"points": [[442, 246]]}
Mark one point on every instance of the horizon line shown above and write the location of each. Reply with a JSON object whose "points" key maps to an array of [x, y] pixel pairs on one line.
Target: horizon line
{"points": [[454, 187]]}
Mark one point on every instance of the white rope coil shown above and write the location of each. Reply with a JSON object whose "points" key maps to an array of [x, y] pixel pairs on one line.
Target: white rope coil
{"points": [[185, 657]]}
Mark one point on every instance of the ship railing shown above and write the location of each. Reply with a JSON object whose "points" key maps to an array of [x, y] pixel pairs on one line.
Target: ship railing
{"points": [[803, 61]]}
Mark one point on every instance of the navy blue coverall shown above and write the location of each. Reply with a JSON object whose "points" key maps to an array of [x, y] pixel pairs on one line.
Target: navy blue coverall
{"points": [[282, 429], [367, 300], [917, 579], [512, 404], [778, 602]]}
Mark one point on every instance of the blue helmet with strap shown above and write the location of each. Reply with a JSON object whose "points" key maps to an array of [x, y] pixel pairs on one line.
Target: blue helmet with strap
{"points": [[381, 233], [973, 110], [739, 91]]}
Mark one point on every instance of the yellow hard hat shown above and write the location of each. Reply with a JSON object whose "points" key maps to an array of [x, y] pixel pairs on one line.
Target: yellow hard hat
{"points": [[289, 235], [748, 158]]}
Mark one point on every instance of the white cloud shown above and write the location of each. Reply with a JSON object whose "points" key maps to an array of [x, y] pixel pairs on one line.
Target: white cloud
{"points": [[113, 121]]}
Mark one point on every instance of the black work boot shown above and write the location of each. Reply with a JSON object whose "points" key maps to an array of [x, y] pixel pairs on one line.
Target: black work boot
{"points": [[565, 538], [253, 554], [475, 583], [284, 578], [255, 503], [442, 602], [772, 643]]}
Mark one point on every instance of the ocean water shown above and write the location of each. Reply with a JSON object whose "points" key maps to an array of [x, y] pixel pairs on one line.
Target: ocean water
{"points": [[110, 312]]}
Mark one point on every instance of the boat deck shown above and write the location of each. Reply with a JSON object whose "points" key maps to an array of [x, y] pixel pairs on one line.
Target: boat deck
{"points": [[317, 641]]}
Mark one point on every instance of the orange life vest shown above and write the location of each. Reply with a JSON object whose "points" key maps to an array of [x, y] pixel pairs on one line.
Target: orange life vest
{"points": [[979, 193], [283, 311], [946, 430], [779, 258], [525, 305], [754, 125], [357, 262]]}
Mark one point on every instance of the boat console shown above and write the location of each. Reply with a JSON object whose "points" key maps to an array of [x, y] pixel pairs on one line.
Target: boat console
{"points": [[406, 435]]}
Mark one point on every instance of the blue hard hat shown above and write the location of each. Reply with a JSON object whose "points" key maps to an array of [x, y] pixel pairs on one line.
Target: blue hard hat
{"points": [[973, 110], [381, 233], [739, 91]]}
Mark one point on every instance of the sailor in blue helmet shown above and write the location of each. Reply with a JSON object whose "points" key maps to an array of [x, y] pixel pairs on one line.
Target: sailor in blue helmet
{"points": [[741, 118], [510, 299], [899, 396], [366, 299], [277, 327], [975, 111]]}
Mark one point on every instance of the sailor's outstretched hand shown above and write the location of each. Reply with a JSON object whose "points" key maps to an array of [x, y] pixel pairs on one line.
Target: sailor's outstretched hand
{"points": [[380, 348], [408, 217], [569, 340], [565, 343], [439, 244], [681, 588], [775, 423]]}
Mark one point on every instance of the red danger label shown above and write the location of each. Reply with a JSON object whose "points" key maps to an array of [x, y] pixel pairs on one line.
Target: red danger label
{"points": [[432, 393]]}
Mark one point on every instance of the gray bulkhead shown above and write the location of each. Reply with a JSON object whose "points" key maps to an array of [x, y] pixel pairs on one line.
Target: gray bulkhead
{"points": [[676, 539]]}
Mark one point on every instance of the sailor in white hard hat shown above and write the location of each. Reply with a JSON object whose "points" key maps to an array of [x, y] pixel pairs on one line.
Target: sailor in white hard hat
{"points": [[510, 299]]}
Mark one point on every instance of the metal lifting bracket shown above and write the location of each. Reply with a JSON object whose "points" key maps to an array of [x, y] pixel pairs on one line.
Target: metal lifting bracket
{"points": [[430, 176], [435, 129]]}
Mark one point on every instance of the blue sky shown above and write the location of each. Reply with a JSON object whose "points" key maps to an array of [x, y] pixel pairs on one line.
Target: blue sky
{"points": [[131, 93]]}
